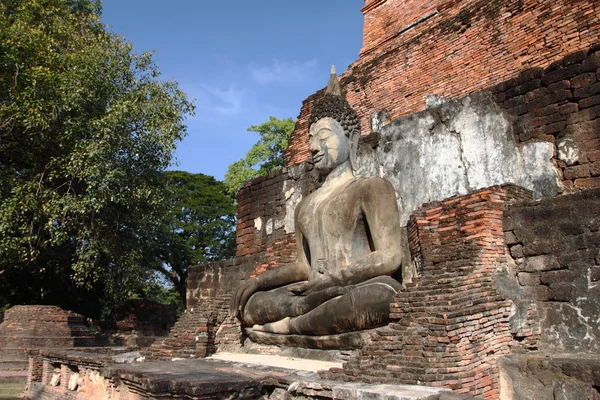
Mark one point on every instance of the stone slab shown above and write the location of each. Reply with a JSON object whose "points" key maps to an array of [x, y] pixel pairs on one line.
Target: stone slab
{"points": [[13, 376], [246, 377], [298, 364], [539, 376], [342, 341]]}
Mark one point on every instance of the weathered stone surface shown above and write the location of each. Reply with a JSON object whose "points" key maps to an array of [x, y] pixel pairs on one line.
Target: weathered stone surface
{"points": [[458, 147], [342, 341], [568, 294], [210, 378], [549, 376]]}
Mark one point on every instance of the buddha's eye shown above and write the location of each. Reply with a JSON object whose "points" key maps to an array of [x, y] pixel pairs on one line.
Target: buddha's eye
{"points": [[325, 134]]}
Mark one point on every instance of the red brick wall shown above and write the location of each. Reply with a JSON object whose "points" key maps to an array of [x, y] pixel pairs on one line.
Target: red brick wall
{"points": [[467, 46], [452, 323], [384, 18], [258, 198]]}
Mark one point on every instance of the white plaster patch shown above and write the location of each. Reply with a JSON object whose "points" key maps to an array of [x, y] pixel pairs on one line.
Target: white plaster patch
{"points": [[278, 224], [458, 147], [258, 223], [292, 198], [72, 385], [269, 226], [568, 151]]}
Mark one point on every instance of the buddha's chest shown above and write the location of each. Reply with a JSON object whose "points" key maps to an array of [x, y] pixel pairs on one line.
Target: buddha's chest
{"points": [[329, 216]]}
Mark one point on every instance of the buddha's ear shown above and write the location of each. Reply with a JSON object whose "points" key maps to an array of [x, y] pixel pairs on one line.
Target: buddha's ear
{"points": [[354, 137]]}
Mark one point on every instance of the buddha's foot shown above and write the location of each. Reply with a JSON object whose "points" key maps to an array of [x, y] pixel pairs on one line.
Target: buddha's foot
{"points": [[281, 327]]}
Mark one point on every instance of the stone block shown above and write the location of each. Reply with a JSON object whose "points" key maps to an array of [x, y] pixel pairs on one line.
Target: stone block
{"points": [[587, 91], [561, 74], [541, 263], [558, 276], [529, 278], [583, 80], [516, 251], [560, 292], [539, 293], [577, 171]]}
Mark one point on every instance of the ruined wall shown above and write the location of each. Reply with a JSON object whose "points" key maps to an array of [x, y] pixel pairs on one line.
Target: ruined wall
{"points": [[556, 247], [34, 327], [457, 147], [560, 105], [451, 324], [265, 217], [466, 47], [539, 130]]}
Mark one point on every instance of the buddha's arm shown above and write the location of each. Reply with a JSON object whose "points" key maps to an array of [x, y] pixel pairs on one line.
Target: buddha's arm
{"points": [[274, 278], [378, 203], [271, 279]]}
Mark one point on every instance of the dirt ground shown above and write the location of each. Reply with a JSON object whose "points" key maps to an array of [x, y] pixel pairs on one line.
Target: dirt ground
{"points": [[11, 391]]}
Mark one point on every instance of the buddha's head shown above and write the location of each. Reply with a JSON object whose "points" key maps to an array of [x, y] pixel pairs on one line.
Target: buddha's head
{"points": [[332, 125]]}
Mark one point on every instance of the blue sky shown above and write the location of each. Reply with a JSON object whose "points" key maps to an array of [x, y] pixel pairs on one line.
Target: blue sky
{"points": [[242, 61]]}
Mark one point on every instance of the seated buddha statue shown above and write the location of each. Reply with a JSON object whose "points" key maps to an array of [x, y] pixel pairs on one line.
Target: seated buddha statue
{"points": [[348, 241]]}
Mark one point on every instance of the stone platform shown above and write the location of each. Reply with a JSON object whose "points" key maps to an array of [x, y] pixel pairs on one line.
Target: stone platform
{"points": [[248, 376]]}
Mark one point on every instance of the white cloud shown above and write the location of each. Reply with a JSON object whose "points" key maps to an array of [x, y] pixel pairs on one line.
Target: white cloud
{"points": [[283, 72], [213, 99]]}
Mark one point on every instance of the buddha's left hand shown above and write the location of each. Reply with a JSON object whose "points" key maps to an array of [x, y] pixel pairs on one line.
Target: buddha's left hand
{"points": [[314, 284]]}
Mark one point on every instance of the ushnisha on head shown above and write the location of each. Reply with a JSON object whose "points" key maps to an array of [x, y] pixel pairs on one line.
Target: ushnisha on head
{"points": [[332, 123]]}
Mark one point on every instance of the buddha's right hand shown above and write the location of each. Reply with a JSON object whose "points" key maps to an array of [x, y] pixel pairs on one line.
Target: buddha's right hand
{"points": [[241, 296]]}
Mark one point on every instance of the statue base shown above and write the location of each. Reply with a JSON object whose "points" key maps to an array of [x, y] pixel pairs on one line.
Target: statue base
{"points": [[341, 341]]}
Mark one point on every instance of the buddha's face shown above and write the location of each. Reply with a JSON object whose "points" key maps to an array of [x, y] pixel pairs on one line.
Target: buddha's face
{"points": [[328, 145]]}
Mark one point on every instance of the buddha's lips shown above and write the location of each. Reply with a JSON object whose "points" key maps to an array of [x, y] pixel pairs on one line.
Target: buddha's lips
{"points": [[317, 158]]}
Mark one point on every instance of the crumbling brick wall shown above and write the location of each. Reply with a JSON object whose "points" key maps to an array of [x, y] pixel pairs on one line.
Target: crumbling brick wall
{"points": [[466, 47], [453, 322], [555, 244], [265, 215], [560, 104], [208, 294]]}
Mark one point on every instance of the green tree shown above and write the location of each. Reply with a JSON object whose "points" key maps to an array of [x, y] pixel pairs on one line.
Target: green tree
{"points": [[199, 229], [265, 156], [86, 131]]}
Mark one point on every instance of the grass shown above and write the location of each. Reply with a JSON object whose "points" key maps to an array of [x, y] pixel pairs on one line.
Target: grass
{"points": [[11, 391]]}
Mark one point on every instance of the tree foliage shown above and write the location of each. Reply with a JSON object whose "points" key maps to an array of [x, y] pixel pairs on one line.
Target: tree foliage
{"points": [[265, 156], [86, 130], [200, 227]]}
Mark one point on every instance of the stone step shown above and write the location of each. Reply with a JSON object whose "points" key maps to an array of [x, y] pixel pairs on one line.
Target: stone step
{"points": [[13, 376], [50, 342], [236, 375], [14, 365], [8, 353]]}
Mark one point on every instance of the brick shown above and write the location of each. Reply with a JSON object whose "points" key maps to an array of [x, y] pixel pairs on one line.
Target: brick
{"points": [[578, 171], [587, 183], [589, 101], [583, 80], [595, 168], [587, 91]]}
